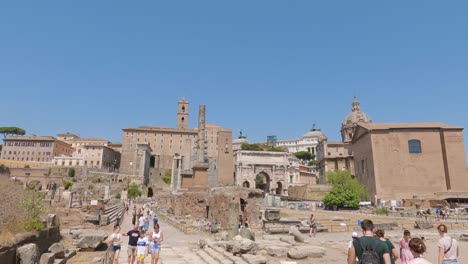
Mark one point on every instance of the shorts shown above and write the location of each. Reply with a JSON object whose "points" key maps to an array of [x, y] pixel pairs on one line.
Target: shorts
{"points": [[141, 256], [131, 250], [154, 248], [115, 248]]}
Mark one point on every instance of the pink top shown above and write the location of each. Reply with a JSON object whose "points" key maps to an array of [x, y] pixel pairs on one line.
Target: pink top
{"points": [[406, 254]]}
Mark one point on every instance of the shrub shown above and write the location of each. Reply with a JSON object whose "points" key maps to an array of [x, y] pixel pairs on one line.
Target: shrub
{"points": [[67, 184], [33, 207], [27, 166], [117, 196], [133, 191], [167, 177], [381, 211]]}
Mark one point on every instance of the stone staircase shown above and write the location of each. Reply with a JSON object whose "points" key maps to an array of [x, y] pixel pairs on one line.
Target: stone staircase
{"points": [[111, 213], [207, 255], [215, 255]]}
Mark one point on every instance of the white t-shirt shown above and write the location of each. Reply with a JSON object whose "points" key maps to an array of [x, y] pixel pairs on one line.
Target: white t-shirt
{"points": [[141, 221], [142, 245], [444, 243], [419, 261]]}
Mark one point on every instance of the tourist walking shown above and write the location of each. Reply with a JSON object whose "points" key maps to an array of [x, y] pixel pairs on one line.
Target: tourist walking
{"points": [[393, 252], [142, 247], [312, 225], [155, 244], [155, 220], [115, 239], [367, 248], [354, 236], [133, 236], [146, 224], [141, 222], [418, 248], [448, 247], [405, 252]]}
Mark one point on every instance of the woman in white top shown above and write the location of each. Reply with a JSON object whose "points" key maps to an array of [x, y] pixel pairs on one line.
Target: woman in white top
{"points": [[155, 244], [116, 240], [448, 247]]}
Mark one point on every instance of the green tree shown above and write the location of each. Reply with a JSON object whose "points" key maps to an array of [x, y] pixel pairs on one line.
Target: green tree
{"points": [[167, 176], [346, 191], [67, 184], [33, 207], [304, 155], [6, 131], [255, 147], [71, 172], [133, 191]]}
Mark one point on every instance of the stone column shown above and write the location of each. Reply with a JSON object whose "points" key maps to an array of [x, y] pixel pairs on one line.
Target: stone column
{"points": [[179, 170], [173, 177], [201, 134], [233, 221]]}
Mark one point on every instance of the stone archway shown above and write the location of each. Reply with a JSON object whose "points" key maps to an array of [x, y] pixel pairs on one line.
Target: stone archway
{"points": [[279, 188], [262, 182], [246, 184]]}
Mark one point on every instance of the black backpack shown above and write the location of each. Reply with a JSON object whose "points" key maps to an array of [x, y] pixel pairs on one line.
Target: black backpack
{"points": [[369, 255]]}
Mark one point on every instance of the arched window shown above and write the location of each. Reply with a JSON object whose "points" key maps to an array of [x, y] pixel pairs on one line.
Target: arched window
{"points": [[414, 146]]}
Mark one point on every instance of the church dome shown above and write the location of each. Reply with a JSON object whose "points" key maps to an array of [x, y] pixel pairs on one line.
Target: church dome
{"points": [[356, 114]]}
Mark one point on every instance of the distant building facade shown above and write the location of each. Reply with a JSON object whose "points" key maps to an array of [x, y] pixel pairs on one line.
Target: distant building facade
{"points": [[93, 153], [34, 148], [91, 156], [410, 160], [308, 142], [399, 160], [334, 156], [170, 145]]}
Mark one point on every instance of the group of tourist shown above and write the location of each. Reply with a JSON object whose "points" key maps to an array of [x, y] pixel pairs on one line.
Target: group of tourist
{"points": [[140, 241], [373, 247]]}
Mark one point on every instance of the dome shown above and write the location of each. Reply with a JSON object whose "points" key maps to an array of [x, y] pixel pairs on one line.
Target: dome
{"points": [[313, 133], [356, 114], [240, 141]]}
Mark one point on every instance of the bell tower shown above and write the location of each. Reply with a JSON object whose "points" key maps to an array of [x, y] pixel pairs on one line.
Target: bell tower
{"points": [[182, 114]]}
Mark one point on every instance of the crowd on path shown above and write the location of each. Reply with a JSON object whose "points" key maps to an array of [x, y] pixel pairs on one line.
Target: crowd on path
{"points": [[373, 248], [141, 241]]}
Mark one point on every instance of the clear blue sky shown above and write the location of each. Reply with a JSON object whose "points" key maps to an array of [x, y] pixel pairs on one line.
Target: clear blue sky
{"points": [[267, 67]]}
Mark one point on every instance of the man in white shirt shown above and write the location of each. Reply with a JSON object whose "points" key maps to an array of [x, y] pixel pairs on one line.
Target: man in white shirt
{"points": [[141, 222]]}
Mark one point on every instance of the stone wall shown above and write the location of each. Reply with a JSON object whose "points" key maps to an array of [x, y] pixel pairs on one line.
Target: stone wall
{"points": [[213, 205], [308, 192], [43, 239]]}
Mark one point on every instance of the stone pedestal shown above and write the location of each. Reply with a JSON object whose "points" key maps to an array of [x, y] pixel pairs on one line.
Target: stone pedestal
{"points": [[200, 176]]}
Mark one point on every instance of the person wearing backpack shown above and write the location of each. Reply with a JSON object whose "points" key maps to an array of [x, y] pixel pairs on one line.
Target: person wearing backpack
{"points": [[367, 248], [448, 247]]}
